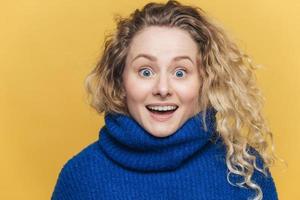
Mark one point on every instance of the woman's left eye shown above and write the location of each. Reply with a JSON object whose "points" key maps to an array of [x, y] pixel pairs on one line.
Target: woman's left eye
{"points": [[180, 73]]}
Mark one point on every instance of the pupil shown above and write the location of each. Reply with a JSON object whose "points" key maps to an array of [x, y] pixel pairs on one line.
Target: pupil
{"points": [[146, 73], [179, 73]]}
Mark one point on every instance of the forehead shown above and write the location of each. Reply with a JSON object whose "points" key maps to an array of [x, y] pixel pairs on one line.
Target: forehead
{"points": [[163, 42]]}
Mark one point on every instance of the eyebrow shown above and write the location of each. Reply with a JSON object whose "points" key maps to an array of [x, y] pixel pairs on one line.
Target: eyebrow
{"points": [[153, 58]]}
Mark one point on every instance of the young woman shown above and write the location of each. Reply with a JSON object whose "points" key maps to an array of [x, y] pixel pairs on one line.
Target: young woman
{"points": [[182, 115]]}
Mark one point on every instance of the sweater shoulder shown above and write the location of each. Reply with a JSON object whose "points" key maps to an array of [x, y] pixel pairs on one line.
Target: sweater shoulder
{"points": [[90, 151], [87, 156], [266, 182], [90, 155], [77, 172]]}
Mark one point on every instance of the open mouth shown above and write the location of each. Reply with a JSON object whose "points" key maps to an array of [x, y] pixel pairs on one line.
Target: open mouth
{"points": [[165, 110]]}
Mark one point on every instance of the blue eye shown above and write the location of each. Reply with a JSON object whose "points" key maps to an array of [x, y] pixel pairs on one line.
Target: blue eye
{"points": [[145, 72], [180, 73]]}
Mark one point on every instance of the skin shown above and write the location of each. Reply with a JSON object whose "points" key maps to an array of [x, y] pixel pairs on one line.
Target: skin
{"points": [[162, 80]]}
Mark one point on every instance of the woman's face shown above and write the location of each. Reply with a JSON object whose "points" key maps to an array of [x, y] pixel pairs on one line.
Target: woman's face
{"points": [[161, 73]]}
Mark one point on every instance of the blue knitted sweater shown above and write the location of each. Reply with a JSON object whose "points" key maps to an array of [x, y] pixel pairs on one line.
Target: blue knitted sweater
{"points": [[128, 163]]}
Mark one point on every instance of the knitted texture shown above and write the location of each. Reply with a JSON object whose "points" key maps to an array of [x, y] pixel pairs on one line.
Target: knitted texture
{"points": [[128, 163]]}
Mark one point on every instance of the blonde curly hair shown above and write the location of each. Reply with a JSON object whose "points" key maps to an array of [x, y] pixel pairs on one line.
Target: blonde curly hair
{"points": [[228, 85]]}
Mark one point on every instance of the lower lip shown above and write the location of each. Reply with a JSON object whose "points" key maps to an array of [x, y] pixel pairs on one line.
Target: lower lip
{"points": [[161, 117]]}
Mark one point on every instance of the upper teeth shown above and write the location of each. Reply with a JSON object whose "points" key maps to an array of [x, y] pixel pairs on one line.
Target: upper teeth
{"points": [[162, 108]]}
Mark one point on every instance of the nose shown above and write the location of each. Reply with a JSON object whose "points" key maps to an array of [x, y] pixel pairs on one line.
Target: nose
{"points": [[162, 86]]}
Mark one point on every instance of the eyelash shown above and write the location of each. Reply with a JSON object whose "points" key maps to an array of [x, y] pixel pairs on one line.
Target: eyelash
{"points": [[185, 71]]}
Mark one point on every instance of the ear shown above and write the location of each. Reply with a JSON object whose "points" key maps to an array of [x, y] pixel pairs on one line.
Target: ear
{"points": [[123, 91]]}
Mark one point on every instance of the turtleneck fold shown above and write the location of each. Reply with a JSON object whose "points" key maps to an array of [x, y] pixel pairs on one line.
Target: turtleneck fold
{"points": [[130, 145]]}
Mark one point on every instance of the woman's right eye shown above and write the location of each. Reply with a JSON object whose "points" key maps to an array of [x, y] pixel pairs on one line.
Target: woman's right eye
{"points": [[145, 72]]}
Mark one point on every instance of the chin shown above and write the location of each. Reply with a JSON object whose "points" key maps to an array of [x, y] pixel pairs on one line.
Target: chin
{"points": [[162, 133]]}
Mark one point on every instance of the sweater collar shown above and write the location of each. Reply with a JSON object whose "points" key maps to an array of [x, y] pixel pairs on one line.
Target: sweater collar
{"points": [[124, 141]]}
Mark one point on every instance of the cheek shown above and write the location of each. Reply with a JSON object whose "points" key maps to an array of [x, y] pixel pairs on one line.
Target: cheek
{"points": [[136, 91], [188, 93]]}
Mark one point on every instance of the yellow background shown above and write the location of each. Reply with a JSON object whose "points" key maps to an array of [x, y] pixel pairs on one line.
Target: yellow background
{"points": [[48, 47]]}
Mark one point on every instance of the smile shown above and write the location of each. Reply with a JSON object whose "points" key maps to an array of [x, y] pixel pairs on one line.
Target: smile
{"points": [[161, 113]]}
